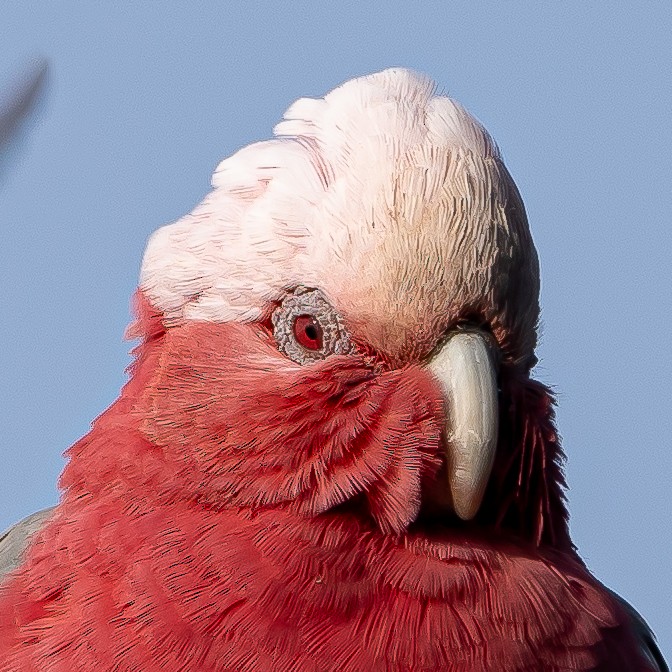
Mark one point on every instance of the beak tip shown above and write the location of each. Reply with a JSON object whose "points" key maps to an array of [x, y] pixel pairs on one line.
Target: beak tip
{"points": [[467, 511]]}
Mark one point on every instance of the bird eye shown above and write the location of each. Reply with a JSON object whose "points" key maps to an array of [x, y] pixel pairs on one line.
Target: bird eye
{"points": [[308, 332], [307, 328]]}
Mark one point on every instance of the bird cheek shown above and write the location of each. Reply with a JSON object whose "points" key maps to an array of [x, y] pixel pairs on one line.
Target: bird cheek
{"points": [[238, 426]]}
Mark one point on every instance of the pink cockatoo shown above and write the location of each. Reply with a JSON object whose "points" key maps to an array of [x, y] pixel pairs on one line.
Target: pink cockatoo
{"points": [[330, 455]]}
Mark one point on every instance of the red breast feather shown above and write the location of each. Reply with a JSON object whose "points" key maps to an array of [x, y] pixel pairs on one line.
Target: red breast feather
{"points": [[235, 512]]}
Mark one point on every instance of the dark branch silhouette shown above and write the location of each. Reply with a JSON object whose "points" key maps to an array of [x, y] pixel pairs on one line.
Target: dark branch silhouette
{"points": [[18, 103]]}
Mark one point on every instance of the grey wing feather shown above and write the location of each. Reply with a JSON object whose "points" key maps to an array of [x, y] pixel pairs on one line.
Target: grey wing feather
{"points": [[644, 635], [15, 540]]}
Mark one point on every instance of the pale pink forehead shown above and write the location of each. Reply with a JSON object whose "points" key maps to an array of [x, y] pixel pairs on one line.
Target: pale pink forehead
{"points": [[357, 196]]}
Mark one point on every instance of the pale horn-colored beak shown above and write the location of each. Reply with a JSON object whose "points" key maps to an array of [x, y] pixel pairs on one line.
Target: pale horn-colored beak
{"points": [[465, 368]]}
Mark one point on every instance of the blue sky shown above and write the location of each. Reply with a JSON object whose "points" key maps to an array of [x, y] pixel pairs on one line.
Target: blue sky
{"points": [[146, 98]]}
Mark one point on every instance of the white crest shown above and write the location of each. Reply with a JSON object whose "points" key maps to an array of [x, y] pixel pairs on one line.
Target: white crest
{"points": [[313, 205]]}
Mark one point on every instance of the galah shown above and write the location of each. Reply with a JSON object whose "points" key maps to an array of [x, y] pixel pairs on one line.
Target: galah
{"points": [[330, 455]]}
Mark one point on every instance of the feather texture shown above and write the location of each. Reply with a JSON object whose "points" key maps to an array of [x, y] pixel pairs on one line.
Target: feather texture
{"points": [[234, 511], [187, 539]]}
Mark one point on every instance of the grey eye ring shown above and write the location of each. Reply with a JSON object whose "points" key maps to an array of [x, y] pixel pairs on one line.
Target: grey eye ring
{"points": [[308, 329]]}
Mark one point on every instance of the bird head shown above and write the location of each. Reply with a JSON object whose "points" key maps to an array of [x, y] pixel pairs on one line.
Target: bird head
{"points": [[348, 319]]}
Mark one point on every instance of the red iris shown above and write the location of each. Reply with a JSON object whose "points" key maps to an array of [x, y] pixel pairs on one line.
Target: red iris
{"points": [[308, 332]]}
